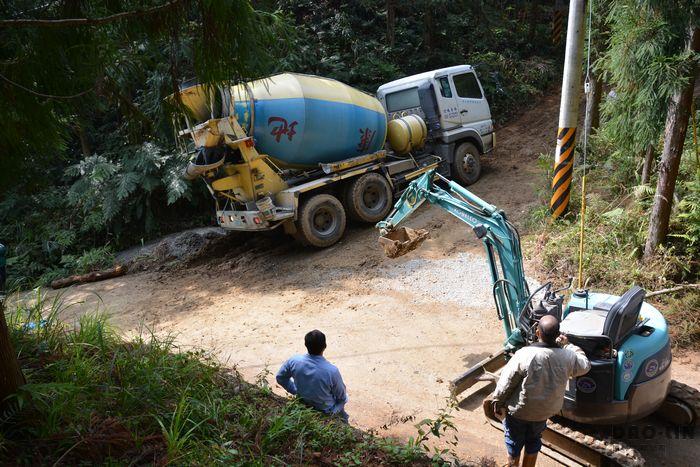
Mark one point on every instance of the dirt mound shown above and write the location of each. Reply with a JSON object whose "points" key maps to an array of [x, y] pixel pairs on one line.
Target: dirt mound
{"points": [[172, 249]]}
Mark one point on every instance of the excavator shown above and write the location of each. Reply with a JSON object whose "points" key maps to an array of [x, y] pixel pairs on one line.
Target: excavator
{"points": [[625, 338]]}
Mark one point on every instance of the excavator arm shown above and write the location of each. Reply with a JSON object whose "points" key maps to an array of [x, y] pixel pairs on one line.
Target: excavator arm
{"points": [[500, 239]]}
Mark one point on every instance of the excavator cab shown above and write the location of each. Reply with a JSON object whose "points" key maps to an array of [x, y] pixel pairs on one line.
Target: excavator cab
{"points": [[628, 346], [611, 321]]}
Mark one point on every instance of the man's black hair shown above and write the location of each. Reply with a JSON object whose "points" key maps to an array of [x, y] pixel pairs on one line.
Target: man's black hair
{"points": [[549, 329], [315, 342]]}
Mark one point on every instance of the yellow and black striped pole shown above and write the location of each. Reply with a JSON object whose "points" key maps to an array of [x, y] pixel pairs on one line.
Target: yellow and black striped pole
{"points": [[563, 171], [568, 110], [557, 26]]}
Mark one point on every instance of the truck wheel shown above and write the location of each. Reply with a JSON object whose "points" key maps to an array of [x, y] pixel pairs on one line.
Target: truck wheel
{"points": [[368, 198], [467, 164], [321, 221]]}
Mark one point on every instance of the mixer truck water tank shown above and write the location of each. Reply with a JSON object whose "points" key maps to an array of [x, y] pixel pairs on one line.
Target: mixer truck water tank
{"points": [[407, 133]]}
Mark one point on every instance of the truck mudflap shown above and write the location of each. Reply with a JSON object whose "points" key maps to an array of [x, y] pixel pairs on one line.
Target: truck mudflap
{"points": [[252, 220]]}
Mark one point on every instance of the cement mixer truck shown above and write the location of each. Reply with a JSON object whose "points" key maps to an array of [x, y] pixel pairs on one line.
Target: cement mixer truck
{"points": [[306, 153]]}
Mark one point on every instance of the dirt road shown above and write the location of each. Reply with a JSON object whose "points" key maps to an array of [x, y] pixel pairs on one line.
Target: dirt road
{"points": [[398, 329]]}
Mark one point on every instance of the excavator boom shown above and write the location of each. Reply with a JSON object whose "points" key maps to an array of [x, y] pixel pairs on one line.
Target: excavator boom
{"points": [[500, 239]]}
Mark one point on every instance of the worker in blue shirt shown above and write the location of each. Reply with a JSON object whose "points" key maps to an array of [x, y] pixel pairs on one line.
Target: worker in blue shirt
{"points": [[315, 380]]}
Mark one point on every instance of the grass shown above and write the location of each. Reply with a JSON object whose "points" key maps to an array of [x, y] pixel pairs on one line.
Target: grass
{"points": [[94, 398]]}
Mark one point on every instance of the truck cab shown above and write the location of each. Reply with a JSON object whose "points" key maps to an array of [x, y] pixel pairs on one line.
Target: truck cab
{"points": [[452, 103]]}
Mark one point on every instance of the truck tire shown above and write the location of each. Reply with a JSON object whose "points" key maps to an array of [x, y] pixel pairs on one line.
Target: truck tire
{"points": [[368, 198], [467, 164], [321, 221]]}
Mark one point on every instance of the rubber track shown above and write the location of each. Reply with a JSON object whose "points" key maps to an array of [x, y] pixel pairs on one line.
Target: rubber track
{"points": [[617, 451], [620, 452], [686, 394]]}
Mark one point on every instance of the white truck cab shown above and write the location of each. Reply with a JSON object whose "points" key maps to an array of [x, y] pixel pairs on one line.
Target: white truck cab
{"points": [[452, 103]]}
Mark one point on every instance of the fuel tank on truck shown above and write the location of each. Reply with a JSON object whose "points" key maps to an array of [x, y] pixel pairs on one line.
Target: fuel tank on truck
{"points": [[301, 120]]}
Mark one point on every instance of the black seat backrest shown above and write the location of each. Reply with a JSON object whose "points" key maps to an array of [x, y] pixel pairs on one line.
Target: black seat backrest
{"points": [[623, 315]]}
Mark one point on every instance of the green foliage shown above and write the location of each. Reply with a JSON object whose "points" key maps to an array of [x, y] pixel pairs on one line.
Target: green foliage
{"points": [[683, 318], [103, 169], [42, 67], [118, 189], [645, 63], [347, 41], [510, 82], [92, 397], [615, 232], [687, 218]]}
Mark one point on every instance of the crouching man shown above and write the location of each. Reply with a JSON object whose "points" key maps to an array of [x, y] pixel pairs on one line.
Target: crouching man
{"points": [[531, 389], [315, 380]]}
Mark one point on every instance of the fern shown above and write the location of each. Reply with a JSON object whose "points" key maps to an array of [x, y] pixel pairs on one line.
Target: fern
{"points": [[128, 182]]}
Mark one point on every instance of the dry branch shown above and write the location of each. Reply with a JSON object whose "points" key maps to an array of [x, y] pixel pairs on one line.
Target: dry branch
{"points": [[70, 22], [673, 289], [116, 271]]}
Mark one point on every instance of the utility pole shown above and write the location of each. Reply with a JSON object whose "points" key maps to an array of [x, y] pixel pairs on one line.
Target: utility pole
{"points": [[568, 110]]}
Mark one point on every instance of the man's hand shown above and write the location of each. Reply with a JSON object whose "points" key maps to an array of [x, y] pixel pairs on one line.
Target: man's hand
{"points": [[562, 340], [499, 410]]}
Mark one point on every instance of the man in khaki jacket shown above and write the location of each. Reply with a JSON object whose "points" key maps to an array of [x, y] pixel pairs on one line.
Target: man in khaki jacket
{"points": [[531, 389]]}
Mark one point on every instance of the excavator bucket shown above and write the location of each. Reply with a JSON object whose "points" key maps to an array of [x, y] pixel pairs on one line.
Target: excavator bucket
{"points": [[400, 241]]}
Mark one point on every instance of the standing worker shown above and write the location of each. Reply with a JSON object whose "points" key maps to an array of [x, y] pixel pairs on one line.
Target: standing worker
{"points": [[531, 389], [315, 380]]}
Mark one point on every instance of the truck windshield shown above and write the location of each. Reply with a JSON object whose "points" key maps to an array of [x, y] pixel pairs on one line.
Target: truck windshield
{"points": [[400, 100]]}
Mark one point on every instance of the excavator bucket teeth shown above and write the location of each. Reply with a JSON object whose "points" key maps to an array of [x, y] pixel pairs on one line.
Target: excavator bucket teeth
{"points": [[400, 241]]}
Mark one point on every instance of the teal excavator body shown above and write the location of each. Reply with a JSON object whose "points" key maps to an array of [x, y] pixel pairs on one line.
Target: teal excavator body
{"points": [[625, 338]]}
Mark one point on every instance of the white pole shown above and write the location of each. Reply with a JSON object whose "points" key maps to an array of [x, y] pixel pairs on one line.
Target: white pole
{"points": [[568, 110]]}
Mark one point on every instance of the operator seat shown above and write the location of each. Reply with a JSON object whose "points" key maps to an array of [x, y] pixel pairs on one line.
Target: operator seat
{"points": [[614, 321]]}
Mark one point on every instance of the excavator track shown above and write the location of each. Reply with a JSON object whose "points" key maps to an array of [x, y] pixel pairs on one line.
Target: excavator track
{"points": [[682, 405], [583, 447], [575, 447], [607, 450]]}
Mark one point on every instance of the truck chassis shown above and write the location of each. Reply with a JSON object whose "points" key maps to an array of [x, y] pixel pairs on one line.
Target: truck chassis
{"points": [[253, 193]]}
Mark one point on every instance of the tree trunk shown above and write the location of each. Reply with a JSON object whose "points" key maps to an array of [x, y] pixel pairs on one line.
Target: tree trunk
{"points": [[84, 142], [593, 105], [674, 136], [648, 161], [534, 17], [428, 30], [11, 377], [390, 22]]}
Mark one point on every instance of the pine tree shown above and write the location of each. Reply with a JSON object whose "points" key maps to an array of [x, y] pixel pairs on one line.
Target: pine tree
{"points": [[650, 64], [674, 137]]}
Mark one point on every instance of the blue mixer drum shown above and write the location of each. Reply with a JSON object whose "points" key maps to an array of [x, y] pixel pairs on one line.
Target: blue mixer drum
{"points": [[303, 120]]}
